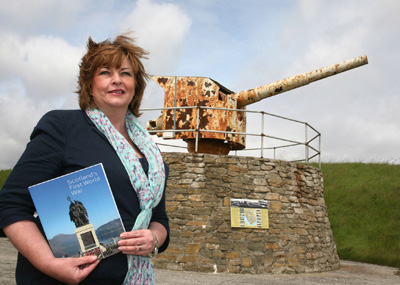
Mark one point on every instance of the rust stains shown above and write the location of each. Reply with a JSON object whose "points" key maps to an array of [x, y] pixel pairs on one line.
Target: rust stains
{"points": [[198, 92], [162, 80]]}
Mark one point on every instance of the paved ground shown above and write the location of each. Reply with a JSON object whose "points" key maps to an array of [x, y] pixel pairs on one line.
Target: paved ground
{"points": [[350, 273]]}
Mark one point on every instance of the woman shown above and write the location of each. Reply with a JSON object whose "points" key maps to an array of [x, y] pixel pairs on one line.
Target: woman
{"points": [[112, 80]]}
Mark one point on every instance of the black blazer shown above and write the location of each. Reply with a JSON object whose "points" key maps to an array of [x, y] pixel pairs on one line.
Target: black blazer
{"points": [[62, 142]]}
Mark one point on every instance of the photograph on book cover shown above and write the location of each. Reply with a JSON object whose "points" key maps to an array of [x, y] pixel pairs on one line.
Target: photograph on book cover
{"points": [[78, 213]]}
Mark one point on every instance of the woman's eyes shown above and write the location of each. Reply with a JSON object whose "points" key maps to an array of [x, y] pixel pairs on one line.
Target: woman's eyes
{"points": [[106, 72]]}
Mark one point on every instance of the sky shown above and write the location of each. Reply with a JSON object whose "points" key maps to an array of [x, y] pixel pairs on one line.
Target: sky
{"points": [[240, 44]]}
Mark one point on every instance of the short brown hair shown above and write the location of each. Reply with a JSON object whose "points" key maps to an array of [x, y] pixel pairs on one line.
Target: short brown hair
{"points": [[111, 54]]}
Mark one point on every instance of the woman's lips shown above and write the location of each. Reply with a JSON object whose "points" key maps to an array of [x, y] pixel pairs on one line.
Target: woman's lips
{"points": [[117, 92]]}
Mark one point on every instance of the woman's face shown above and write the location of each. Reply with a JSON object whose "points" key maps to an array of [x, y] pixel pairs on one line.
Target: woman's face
{"points": [[112, 88]]}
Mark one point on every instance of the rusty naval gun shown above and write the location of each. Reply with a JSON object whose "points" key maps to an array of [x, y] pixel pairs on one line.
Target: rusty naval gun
{"points": [[210, 118]]}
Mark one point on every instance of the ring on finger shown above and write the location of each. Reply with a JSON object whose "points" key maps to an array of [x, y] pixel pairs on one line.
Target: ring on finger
{"points": [[140, 247]]}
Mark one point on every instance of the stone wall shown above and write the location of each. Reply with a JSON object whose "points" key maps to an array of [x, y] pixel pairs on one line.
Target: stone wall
{"points": [[299, 238]]}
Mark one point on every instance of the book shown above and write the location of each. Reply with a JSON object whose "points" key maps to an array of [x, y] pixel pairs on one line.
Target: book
{"points": [[78, 213]]}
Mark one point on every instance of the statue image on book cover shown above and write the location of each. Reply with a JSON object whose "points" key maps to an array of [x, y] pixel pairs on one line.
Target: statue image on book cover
{"points": [[85, 232]]}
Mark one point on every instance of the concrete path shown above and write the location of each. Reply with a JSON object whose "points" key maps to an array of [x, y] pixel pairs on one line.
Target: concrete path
{"points": [[350, 273]]}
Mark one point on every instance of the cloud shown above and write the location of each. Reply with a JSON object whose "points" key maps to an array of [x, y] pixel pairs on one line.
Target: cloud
{"points": [[18, 116], [25, 17], [161, 29], [38, 73], [46, 66]]}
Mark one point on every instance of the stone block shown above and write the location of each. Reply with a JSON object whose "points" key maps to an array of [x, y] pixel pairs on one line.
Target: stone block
{"points": [[227, 201], [166, 257], [192, 248], [246, 262], [188, 258], [268, 259], [233, 269], [260, 182], [293, 262], [275, 182], [232, 255], [197, 223], [262, 189], [206, 267], [180, 197], [272, 197], [172, 250], [301, 232], [194, 198], [212, 246], [275, 206], [271, 246]]}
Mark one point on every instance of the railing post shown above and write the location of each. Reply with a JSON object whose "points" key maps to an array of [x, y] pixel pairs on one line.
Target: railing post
{"points": [[262, 134], [319, 151], [175, 107], [197, 128], [306, 143]]}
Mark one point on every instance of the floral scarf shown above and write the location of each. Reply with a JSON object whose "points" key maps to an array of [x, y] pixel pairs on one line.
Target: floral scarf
{"points": [[149, 188]]}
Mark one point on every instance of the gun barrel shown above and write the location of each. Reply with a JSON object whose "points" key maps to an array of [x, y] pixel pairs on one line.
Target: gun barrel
{"points": [[251, 96]]}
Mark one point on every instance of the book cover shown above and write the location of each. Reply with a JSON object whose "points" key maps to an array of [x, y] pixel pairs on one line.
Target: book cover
{"points": [[78, 213]]}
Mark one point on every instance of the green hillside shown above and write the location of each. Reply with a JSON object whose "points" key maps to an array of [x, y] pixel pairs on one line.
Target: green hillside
{"points": [[363, 202], [3, 176]]}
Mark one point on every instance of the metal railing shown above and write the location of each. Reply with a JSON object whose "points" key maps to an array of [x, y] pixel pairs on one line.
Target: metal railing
{"points": [[306, 143]]}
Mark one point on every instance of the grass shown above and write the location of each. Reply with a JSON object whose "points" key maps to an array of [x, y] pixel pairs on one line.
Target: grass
{"points": [[3, 176], [363, 202]]}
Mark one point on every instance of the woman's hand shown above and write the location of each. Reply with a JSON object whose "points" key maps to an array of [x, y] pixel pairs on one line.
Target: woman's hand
{"points": [[140, 242], [26, 237], [71, 270]]}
